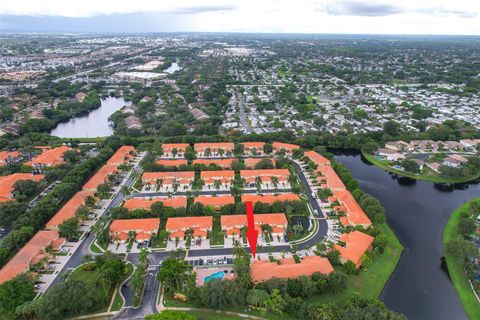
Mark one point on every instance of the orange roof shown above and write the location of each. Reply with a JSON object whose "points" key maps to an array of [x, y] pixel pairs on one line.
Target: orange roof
{"points": [[142, 203], [50, 157], [270, 198], [286, 146], [251, 162], [219, 174], [171, 146], [5, 155], [215, 201], [356, 244], [152, 176], [7, 182], [172, 163], [355, 214], [332, 181], [100, 176], [317, 158], [237, 221], [223, 163], [264, 269], [251, 145], [149, 225], [213, 146], [21, 261], [69, 209], [264, 173], [185, 223], [118, 157]]}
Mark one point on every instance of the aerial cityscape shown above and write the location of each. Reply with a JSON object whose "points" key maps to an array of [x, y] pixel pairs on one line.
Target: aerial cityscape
{"points": [[165, 161]]}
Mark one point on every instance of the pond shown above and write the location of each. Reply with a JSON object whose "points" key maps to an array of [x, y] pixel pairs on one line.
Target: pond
{"points": [[417, 211], [94, 124], [174, 67]]}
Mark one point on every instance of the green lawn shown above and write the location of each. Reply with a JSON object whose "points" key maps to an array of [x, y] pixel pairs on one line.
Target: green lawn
{"points": [[94, 248], [216, 237], [428, 175], [209, 315], [455, 268], [369, 283]]}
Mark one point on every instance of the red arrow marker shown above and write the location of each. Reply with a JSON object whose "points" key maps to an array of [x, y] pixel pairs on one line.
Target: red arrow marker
{"points": [[252, 234]]}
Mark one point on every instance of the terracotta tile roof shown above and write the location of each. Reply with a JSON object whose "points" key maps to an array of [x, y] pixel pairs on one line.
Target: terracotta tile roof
{"points": [[287, 146], [172, 163], [251, 145], [118, 157], [142, 203], [69, 209], [149, 225], [178, 226], [7, 182], [100, 177], [356, 244], [227, 146], [222, 163], [218, 175], [6, 155], [251, 162], [264, 269], [169, 177], [22, 260], [332, 181], [233, 223], [219, 201], [265, 173], [270, 198], [168, 147], [317, 158], [50, 157], [355, 214]]}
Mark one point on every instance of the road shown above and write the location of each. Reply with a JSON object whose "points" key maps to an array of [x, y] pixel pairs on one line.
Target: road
{"points": [[242, 116]]}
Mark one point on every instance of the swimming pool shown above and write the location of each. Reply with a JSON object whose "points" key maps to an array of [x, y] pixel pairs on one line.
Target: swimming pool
{"points": [[216, 275]]}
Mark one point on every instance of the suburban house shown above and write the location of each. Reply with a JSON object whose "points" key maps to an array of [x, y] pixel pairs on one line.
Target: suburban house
{"points": [[232, 224], [7, 183], [168, 179], [317, 158], [7, 157], [222, 163], [217, 179], [455, 161], [215, 202], [32, 253], [389, 154], [401, 146], [146, 203], [200, 226], [287, 147], [122, 155], [49, 158], [267, 176], [263, 270], [356, 244], [253, 148], [69, 210], [100, 177], [270, 198], [213, 149], [250, 163], [354, 215], [133, 122], [143, 229], [172, 162], [174, 150]]}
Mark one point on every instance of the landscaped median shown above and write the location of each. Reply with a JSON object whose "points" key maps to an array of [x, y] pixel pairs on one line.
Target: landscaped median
{"points": [[455, 265], [428, 175]]}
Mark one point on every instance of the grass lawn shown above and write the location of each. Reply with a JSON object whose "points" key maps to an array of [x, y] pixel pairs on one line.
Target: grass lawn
{"points": [[209, 315], [86, 276], [455, 268], [428, 175], [369, 283], [216, 237], [94, 248]]}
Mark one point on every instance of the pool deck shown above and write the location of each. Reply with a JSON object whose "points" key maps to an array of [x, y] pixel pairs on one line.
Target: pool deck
{"points": [[202, 273]]}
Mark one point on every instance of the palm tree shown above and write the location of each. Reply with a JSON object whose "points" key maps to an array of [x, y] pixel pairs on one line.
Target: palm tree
{"points": [[297, 228], [221, 152], [143, 258], [174, 152], [275, 181], [208, 152], [217, 184]]}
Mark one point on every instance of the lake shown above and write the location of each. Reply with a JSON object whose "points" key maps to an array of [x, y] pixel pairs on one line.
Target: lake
{"points": [[95, 124], [417, 212]]}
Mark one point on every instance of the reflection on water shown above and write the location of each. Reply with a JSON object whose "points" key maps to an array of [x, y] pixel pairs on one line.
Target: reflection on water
{"points": [[95, 124], [417, 212]]}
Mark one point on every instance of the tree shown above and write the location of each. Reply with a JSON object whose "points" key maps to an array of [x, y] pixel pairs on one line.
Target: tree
{"points": [[267, 148], [173, 273], [336, 282], [370, 147], [14, 293], [466, 226], [68, 228], [410, 166], [265, 164], [275, 302], [10, 211], [350, 267], [23, 189], [171, 315], [216, 295], [238, 149], [137, 282], [257, 298], [241, 265], [334, 257], [297, 228], [391, 128]]}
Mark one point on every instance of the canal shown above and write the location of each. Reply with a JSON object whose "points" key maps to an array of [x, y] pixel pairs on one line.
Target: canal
{"points": [[94, 124], [417, 212]]}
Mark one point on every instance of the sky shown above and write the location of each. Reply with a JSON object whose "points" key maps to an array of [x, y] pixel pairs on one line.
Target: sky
{"points": [[445, 17]]}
